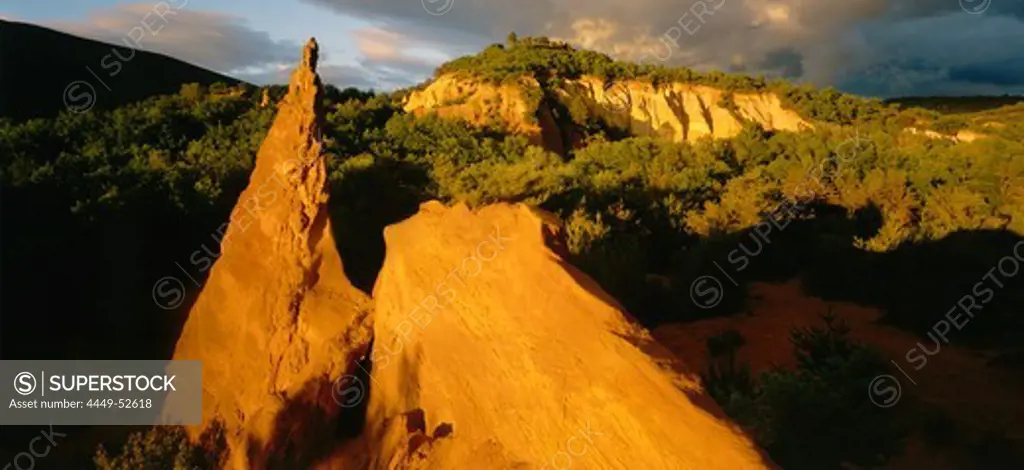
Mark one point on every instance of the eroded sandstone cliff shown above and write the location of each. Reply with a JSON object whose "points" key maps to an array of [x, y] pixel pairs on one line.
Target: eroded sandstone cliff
{"points": [[679, 111], [481, 103], [675, 111]]}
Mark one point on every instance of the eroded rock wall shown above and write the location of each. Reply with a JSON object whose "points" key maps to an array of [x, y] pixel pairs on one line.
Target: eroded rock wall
{"points": [[676, 111]]}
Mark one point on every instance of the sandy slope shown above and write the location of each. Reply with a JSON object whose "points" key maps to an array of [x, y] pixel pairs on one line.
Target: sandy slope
{"points": [[491, 352]]}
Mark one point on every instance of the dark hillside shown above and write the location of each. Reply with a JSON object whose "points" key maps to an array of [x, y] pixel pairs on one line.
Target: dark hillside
{"points": [[43, 71], [956, 104]]}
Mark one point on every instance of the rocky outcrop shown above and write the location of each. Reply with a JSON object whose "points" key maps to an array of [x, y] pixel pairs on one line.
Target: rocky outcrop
{"points": [[491, 351], [679, 111], [277, 323], [488, 349], [675, 111], [481, 103], [961, 136]]}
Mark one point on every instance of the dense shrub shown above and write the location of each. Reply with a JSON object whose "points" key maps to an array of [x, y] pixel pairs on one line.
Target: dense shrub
{"points": [[725, 378], [544, 58], [165, 448], [672, 209], [814, 417]]}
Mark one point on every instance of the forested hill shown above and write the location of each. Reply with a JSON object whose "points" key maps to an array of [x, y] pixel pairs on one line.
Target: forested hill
{"points": [[572, 82], [43, 72]]}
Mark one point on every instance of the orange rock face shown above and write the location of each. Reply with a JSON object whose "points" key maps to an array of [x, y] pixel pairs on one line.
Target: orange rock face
{"points": [[278, 322], [674, 111], [490, 351]]}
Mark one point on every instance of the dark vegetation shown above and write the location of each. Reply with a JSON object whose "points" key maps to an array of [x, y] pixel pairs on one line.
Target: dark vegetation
{"points": [[956, 104], [165, 448], [814, 416], [99, 206], [1006, 122], [34, 81]]}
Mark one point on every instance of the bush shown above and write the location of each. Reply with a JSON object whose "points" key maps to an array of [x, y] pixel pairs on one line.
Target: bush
{"points": [[723, 377], [613, 257], [938, 428], [165, 448], [816, 416]]}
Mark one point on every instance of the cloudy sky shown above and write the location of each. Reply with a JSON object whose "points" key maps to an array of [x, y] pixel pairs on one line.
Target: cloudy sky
{"points": [[871, 47]]}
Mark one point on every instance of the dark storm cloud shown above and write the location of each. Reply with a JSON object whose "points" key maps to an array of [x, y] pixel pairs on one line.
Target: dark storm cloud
{"points": [[1008, 72], [786, 63], [950, 54], [946, 46]]}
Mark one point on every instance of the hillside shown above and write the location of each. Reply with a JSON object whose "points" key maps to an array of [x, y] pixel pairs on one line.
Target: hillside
{"points": [[957, 104], [677, 112], [559, 96], [37, 81]]}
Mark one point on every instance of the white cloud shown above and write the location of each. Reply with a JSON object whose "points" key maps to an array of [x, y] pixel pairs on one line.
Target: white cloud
{"points": [[228, 44], [216, 41]]}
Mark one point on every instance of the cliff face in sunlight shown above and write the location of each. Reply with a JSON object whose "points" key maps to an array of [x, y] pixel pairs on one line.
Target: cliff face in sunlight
{"points": [[675, 111], [491, 351], [480, 103], [678, 111], [277, 322]]}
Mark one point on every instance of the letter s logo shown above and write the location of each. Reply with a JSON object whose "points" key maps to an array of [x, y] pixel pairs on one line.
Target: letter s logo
{"points": [[24, 383]]}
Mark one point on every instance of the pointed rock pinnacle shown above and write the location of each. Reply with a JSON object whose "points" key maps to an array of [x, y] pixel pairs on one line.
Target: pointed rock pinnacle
{"points": [[310, 55]]}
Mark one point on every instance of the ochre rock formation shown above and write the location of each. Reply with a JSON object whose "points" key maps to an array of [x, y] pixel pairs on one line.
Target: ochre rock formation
{"points": [[679, 111], [675, 111], [490, 351], [277, 323], [481, 103]]}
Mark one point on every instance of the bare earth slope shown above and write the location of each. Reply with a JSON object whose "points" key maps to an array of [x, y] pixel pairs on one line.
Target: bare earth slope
{"points": [[277, 322], [490, 351]]}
